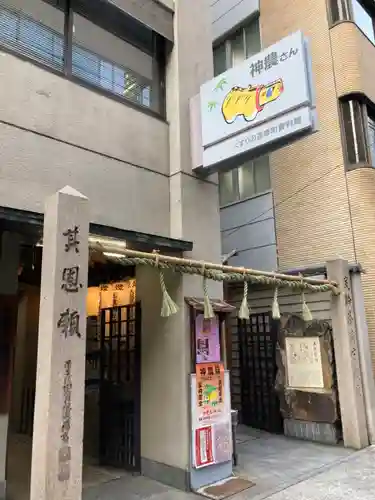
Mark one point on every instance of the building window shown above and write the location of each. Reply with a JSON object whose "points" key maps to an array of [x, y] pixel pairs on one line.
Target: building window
{"points": [[251, 178], [104, 60], [339, 10], [241, 45], [106, 52], [36, 33], [371, 136], [359, 130], [362, 12]]}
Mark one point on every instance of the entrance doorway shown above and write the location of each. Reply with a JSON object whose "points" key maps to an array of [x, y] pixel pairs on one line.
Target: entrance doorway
{"points": [[260, 406], [113, 375], [120, 387]]}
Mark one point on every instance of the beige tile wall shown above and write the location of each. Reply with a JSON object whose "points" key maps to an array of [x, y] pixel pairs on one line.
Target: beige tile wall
{"points": [[315, 220], [354, 60], [361, 183], [354, 64], [312, 210]]}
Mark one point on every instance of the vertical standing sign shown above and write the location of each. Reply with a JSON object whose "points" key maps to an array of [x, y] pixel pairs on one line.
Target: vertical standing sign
{"points": [[212, 439], [56, 470]]}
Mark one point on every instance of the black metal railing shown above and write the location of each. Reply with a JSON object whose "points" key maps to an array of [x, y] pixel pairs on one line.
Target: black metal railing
{"points": [[22, 34]]}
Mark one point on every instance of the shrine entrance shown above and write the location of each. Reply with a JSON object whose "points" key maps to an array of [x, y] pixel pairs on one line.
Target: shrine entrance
{"points": [[112, 382], [120, 387], [257, 350]]}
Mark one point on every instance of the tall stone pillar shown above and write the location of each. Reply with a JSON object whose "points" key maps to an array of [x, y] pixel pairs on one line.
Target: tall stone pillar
{"points": [[194, 216], [56, 470], [364, 354], [345, 341]]}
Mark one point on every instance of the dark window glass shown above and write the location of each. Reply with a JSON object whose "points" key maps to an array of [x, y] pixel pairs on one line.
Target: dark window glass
{"points": [[85, 65], [339, 10], [251, 178], [239, 46], [371, 136], [107, 61], [220, 59], [252, 38], [364, 19], [335, 11], [246, 180], [262, 174], [228, 189], [34, 30], [352, 113]]}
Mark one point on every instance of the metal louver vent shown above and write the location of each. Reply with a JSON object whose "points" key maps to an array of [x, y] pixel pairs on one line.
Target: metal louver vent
{"points": [[29, 37]]}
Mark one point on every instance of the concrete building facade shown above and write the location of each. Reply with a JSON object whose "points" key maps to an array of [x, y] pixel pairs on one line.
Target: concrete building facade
{"points": [[312, 199], [97, 98]]}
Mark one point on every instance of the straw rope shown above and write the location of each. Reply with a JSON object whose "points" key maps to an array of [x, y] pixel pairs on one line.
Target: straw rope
{"points": [[268, 279]]}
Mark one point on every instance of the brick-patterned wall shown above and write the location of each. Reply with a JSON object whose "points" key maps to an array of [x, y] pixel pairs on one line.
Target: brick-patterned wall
{"points": [[361, 183], [314, 224], [354, 60], [319, 222]]}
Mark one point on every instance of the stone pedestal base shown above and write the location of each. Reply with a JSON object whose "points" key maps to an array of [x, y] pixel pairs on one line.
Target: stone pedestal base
{"points": [[311, 431]]}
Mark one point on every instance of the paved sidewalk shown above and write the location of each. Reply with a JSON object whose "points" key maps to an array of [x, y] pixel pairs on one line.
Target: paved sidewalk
{"points": [[275, 462], [281, 468], [353, 478], [135, 488]]}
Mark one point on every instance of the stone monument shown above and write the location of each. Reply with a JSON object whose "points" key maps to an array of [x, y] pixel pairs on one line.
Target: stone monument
{"points": [[56, 470]]}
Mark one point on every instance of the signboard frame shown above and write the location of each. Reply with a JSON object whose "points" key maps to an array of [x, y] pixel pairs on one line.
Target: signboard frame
{"points": [[256, 106]]}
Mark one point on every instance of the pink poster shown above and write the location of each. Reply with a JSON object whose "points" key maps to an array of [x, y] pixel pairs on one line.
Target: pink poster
{"points": [[207, 340]]}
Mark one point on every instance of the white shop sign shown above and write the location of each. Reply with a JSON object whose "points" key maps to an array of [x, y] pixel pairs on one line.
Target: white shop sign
{"points": [[241, 108]]}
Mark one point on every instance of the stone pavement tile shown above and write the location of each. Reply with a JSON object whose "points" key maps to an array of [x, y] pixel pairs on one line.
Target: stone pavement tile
{"points": [[173, 494], [277, 462], [135, 488], [353, 477]]}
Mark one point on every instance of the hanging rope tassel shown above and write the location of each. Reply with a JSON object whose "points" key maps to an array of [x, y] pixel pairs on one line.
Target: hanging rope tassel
{"points": [[275, 305], [244, 312], [306, 313], [168, 307], [208, 310]]}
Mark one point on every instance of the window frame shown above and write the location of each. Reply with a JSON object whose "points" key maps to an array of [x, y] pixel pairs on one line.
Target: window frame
{"points": [[370, 10], [366, 109], [235, 173], [157, 52], [228, 40], [348, 15], [369, 114]]}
